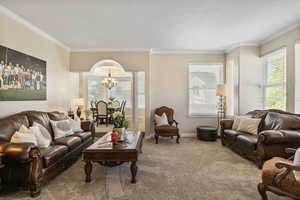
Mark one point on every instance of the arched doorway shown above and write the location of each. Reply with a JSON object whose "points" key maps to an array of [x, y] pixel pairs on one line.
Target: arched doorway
{"points": [[130, 87]]}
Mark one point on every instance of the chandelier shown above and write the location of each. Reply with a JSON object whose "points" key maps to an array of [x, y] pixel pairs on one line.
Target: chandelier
{"points": [[109, 82]]}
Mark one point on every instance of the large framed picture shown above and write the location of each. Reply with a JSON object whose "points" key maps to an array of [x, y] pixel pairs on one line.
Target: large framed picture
{"points": [[22, 77]]}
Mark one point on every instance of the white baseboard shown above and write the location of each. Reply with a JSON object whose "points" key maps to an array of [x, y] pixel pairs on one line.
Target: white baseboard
{"points": [[183, 135]]}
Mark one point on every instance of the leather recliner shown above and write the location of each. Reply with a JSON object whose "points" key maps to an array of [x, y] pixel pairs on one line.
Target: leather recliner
{"points": [[27, 165], [278, 130]]}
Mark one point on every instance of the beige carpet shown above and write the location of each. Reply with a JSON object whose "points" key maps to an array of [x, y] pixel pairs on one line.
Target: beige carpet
{"points": [[192, 170]]}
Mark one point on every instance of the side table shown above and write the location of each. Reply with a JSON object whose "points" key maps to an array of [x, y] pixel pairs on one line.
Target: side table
{"points": [[207, 133], [1, 166]]}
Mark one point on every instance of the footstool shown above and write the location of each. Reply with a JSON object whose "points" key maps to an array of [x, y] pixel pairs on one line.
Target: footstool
{"points": [[207, 133]]}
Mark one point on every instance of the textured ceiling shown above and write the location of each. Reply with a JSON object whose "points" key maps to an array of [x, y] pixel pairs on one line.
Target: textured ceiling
{"points": [[158, 24]]}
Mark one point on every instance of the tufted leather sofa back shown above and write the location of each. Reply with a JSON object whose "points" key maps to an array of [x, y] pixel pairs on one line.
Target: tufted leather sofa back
{"points": [[10, 124]]}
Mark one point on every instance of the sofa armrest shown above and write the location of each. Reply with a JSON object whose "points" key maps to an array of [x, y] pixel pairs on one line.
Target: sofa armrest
{"points": [[21, 152], [279, 137], [88, 125], [226, 123]]}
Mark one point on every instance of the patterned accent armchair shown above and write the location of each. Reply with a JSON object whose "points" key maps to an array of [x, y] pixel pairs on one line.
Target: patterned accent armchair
{"points": [[166, 130], [278, 177]]}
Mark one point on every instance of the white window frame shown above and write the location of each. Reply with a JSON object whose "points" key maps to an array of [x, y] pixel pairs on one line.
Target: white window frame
{"points": [[297, 78], [188, 91], [265, 85]]}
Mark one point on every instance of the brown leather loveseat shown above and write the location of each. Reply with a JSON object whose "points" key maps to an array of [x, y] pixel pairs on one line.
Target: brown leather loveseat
{"points": [[278, 130], [27, 165]]}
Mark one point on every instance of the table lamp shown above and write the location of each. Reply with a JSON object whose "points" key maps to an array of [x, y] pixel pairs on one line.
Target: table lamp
{"points": [[78, 102]]}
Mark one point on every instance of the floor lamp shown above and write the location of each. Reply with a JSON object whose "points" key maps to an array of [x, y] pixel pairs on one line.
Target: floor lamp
{"points": [[221, 103]]}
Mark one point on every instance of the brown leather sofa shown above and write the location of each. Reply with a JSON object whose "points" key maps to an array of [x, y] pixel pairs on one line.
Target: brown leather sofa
{"points": [[27, 166], [278, 130]]}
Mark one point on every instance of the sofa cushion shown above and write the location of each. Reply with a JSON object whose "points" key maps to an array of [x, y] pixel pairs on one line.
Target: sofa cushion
{"points": [[288, 184], [166, 130], [41, 118], [83, 135], [247, 142], [52, 154], [276, 121], [231, 134], [8, 125], [70, 141]]}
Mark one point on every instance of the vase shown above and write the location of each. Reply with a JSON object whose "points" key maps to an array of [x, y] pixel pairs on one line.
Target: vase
{"points": [[121, 131]]}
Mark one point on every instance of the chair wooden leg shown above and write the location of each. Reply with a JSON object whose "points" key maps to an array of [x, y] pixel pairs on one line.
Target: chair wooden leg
{"points": [[262, 191], [156, 139], [259, 162], [177, 140]]}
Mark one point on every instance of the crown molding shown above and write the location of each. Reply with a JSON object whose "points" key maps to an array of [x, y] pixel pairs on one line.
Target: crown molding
{"points": [[232, 47], [159, 51], [30, 26], [110, 50], [280, 33]]}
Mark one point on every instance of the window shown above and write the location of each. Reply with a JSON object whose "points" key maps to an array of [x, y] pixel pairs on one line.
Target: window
{"points": [[203, 80], [275, 80], [297, 77]]}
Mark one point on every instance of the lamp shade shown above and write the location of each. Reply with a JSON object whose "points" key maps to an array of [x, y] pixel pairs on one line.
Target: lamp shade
{"points": [[78, 102], [220, 90]]}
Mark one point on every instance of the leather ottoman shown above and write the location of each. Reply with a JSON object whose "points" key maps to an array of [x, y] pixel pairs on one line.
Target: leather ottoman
{"points": [[207, 133]]}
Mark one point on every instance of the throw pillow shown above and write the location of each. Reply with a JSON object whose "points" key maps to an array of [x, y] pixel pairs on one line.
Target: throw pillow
{"points": [[297, 162], [75, 124], [249, 125], [42, 141], [24, 135], [43, 130], [237, 120], [61, 128], [161, 120]]}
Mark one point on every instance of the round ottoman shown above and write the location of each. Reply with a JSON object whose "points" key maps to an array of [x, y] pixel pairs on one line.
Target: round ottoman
{"points": [[207, 133]]}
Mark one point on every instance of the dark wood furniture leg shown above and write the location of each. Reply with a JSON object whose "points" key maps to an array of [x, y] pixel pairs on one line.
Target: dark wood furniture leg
{"points": [[262, 191], [35, 173], [177, 140], [156, 139], [88, 170], [133, 169]]}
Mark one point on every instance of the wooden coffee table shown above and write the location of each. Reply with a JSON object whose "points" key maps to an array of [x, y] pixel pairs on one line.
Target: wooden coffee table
{"points": [[106, 154]]}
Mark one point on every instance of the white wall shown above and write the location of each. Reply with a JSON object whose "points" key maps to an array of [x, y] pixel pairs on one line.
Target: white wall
{"points": [[169, 86], [62, 85], [249, 72], [251, 76], [297, 77]]}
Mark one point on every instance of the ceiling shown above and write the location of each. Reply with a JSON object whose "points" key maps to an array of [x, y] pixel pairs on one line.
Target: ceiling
{"points": [[199, 25]]}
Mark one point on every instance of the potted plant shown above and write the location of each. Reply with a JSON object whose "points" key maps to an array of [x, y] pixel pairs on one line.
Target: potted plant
{"points": [[120, 123], [87, 113]]}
